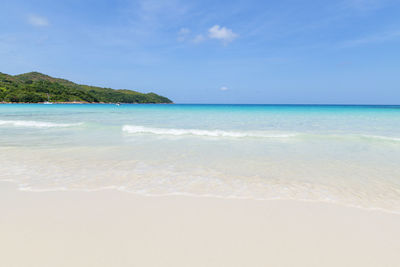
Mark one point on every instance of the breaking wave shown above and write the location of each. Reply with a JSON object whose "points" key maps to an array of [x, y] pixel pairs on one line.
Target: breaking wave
{"points": [[36, 124], [382, 138], [136, 129], [133, 129]]}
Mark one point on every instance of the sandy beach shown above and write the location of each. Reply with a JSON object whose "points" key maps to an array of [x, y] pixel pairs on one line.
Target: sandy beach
{"points": [[110, 228]]}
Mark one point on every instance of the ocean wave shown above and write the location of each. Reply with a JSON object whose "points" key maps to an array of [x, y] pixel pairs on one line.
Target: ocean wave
{"points": [[36, 124], [382, 138], [351, 137], [136, 129], [133, 129]]}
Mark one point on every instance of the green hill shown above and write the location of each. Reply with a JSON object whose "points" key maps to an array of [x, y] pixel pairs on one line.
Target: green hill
{"points": [[35, 87]]}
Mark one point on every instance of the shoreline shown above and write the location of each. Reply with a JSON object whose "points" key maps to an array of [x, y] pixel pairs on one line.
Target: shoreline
{"points": [[116, 189], [216, 104], [110, 228]]}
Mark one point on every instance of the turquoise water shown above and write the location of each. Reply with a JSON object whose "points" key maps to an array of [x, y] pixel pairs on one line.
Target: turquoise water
{"points": [[342, 154]]}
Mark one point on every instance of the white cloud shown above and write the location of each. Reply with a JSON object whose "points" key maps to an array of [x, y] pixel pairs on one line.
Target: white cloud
{"points": [[38, 21], [222, 33], [215, 32], [224, 88]]}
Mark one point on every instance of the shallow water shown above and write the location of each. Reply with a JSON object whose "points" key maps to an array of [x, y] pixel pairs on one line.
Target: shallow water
{"points": [[343, 154]]}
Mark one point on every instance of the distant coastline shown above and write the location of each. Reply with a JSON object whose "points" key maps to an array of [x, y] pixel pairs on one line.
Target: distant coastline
{"points": [[80, 102], [35, 87]]}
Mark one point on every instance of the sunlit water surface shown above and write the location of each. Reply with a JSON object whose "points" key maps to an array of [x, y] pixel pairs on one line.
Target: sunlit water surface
{"points": [[342, 154]]}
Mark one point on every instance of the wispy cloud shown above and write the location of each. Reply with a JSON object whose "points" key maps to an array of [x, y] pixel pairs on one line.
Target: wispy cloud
{"points": [[215, 32], [183, 34], [149, 20], [199, 38], [38, 21], [157, 14], [376, 38], [184, 31], [365, 5], [224, 88], [222, 33]]}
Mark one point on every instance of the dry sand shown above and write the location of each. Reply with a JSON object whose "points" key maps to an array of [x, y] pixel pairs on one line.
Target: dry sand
{"points": [[110, 228]]}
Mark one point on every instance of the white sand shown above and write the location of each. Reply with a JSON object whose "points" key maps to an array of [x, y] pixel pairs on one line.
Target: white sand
{"points": [[119, 229]]}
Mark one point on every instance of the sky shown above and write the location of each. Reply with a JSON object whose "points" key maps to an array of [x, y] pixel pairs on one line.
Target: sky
{"points": [[236, 51]]}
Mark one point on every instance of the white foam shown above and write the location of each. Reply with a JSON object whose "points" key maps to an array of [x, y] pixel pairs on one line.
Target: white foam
{"points": [[36, 124], [385, 138], [133, 129]]}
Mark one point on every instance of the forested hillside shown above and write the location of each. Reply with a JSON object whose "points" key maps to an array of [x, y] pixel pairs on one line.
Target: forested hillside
{"points": [[35, 87]]}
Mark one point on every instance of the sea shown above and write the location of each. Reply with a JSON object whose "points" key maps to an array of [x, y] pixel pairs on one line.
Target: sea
{"points": [[348, 155]]}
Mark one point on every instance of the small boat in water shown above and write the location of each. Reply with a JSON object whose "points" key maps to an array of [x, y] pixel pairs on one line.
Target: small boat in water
{"points": [[48, 100]]}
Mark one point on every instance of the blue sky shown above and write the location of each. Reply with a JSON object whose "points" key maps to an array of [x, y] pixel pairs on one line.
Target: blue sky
{"points": [[287, 51]]}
